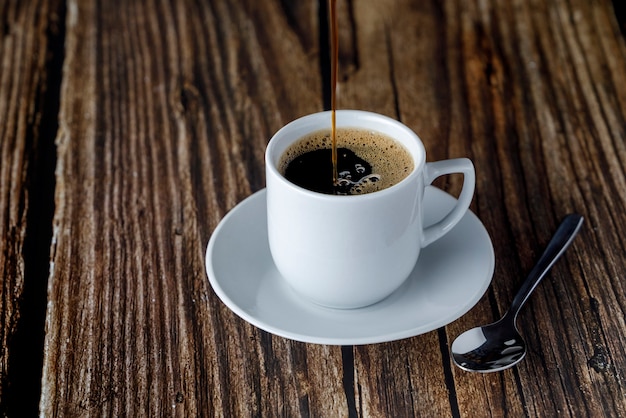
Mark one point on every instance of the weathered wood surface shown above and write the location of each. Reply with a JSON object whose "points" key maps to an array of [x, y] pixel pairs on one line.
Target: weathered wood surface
{"points": [[160, 112], [27, 128]]}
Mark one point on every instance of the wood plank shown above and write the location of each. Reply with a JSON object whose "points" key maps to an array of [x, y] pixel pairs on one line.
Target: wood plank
{"points": [[516, 87], [166, 110], [547, 139], [26, 29], [403, 378]]}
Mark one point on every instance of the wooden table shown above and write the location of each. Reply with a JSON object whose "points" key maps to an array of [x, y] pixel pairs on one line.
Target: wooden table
{"points": [[128, 129]]}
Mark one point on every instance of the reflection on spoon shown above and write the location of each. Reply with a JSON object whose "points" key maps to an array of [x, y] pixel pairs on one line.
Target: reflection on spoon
{"points": [[498, 346]]}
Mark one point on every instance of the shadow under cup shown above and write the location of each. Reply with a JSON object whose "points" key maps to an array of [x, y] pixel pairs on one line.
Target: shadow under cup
{"points": [[350, 251]]}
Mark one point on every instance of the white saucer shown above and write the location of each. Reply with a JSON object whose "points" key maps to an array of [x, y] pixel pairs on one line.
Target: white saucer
{"points": [[449, 278]]}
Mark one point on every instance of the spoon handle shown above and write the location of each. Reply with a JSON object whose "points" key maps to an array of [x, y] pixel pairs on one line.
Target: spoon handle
{"points": [[562, 238]]}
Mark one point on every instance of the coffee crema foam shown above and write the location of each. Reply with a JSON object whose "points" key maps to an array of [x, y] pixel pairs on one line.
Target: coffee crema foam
{"points": [[390, 161]]}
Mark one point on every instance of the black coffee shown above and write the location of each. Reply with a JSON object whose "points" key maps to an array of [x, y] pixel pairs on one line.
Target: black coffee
{"points": [[367, 161], [313, 170]]}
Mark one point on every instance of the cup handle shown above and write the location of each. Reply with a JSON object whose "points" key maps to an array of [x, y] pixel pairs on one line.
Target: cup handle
{"points": [[440, 168]]}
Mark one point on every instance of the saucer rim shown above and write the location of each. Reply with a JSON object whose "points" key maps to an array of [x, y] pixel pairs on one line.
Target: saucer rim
{"points": [[316, 339]]}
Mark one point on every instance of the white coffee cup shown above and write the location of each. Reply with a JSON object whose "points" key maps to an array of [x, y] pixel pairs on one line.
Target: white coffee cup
{"points": [[353, 251]]}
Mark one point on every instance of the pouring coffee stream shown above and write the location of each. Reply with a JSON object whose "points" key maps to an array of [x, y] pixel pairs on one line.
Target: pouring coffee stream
{"points": [[498, 346], [334, 64]]}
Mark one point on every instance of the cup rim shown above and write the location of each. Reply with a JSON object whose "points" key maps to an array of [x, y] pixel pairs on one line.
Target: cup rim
{"points": [[310, 123]]}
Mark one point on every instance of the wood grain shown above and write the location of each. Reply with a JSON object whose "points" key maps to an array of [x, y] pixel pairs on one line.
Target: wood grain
{"points": [[27, 112], [161, 111], [166, 109], [514, 86]]}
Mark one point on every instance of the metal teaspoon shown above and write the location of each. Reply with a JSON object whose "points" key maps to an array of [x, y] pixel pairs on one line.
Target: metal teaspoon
{"points": [[498, 346]]}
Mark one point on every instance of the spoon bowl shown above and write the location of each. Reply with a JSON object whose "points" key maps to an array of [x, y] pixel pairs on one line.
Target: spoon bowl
{"points": [[489, 348], [499, 345]]}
